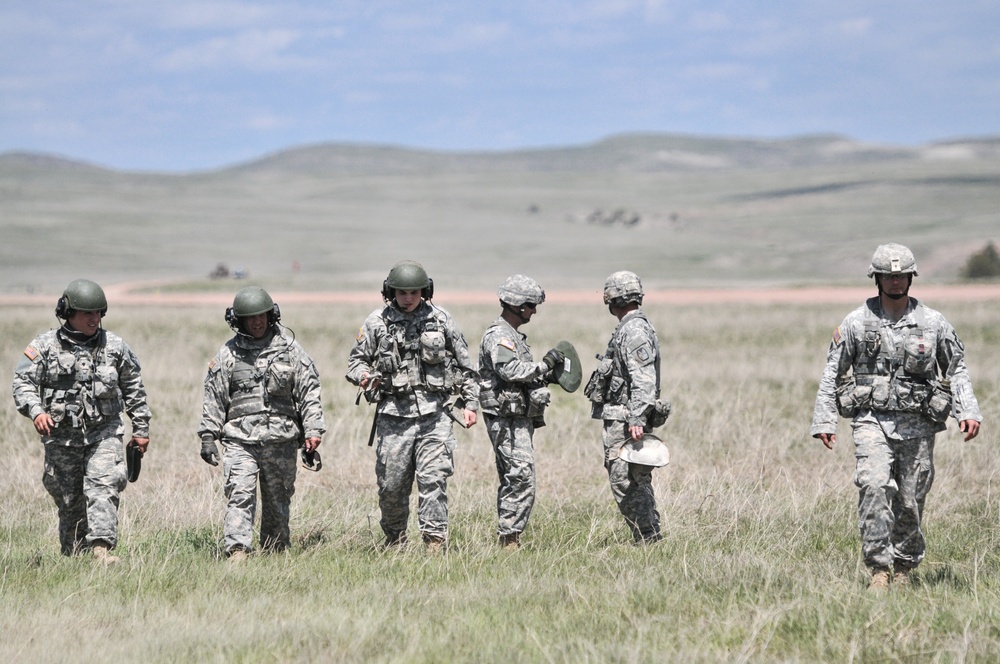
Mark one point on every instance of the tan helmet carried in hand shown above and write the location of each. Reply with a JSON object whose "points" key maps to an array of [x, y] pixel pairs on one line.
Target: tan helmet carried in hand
{"points": [[647, 451]]}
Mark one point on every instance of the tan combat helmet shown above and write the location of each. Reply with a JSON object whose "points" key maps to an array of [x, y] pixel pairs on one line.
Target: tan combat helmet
{"points": [[892, 258]]}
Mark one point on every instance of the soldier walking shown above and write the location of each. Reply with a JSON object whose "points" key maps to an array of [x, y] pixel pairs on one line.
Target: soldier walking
{"points": [[513, 396], [74, 383], [410, 357], [263, 402], [896, 368]]}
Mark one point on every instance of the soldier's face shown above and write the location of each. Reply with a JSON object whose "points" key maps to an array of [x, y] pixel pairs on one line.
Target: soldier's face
{"points": [[407, 300], [895, 284], [256, 326], [85, 322]]}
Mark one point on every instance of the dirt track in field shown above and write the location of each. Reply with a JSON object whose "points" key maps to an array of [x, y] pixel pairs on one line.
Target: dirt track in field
{"points": [[145, 293]]}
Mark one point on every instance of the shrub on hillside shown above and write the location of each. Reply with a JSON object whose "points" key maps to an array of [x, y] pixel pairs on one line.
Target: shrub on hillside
{"points": [[983, 264]]}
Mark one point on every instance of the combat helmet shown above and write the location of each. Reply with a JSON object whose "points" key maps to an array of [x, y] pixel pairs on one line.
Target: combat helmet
{"points": [[408, 275], [518, 290], [81, 295], [649, 450], [623, 288], [892, 258], [251, 301]]}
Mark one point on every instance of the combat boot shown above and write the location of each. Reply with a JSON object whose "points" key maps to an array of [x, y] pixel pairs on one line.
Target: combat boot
{"points": [[901, 575], [102, 554], [237, 556], [434, 544], [511, 542], [394, 539], [880, 579]]}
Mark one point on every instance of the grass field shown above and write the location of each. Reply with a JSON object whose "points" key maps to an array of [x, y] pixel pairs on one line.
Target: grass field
{"points": [[760, 559]]}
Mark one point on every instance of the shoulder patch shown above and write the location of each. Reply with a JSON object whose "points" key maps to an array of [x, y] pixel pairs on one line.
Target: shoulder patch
{"points": [[211, 364], [507, 343], [31, 353], [644, 353], [361, 333], [837, 336]]}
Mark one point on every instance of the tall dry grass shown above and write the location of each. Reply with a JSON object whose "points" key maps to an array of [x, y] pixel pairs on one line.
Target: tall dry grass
{"points": [[760, 559]]}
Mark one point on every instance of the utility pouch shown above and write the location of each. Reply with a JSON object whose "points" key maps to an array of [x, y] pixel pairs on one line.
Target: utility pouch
{"points": [[596, 385], [433, 347], [659, 413], [538, 399], [918, 355], [512, 403], [937, 407], [106, 382]]}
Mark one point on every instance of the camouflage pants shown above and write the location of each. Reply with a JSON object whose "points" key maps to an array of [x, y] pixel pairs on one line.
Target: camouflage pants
{"points": [[85, 483], [631, 485], [515, 459], [893, 479], [272, 466], [409, 448]]}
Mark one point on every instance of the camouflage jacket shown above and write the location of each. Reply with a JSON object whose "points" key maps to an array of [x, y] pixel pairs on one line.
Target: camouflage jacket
{"points": [[507, 373], [83, 385], [421, 357], [262, 391], [632, 363], [895, 365]]}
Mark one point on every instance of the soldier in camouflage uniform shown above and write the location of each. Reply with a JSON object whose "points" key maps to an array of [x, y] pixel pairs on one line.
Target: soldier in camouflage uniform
{"points": [[263, 402], [513, 396], [625, 395], [410, 357], [896, 368], [74, 383]]}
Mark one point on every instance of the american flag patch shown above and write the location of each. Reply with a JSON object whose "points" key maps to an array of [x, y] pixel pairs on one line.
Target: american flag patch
{"points": [[31, 353], [837, 336], [211, 363], [507, 343]]}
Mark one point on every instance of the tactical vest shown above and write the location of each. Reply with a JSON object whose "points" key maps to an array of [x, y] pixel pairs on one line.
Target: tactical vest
{"points": [[900, 375], [80, 387], [415, 353], [617, 388], [264, 390]]}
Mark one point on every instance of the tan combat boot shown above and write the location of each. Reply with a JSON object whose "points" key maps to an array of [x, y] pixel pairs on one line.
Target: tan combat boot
{"points": [[237, 556], [434, 544], [102, 554], [901, 575], [511, 542], [880, 579]]}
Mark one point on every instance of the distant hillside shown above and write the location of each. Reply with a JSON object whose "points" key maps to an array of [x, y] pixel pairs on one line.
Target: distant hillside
{"points": [[627, 153], [680, 210]]}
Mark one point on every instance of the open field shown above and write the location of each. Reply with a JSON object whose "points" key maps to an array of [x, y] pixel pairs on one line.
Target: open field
{"points": [[760, 560]]}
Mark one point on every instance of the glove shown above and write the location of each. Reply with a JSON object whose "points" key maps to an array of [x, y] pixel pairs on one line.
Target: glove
{"points": [[553, 358], [210, 451]]}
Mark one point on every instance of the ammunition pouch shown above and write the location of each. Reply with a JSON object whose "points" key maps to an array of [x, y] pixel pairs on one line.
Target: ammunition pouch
{"points": [[538, 399], [853, 398], [512, 403]]}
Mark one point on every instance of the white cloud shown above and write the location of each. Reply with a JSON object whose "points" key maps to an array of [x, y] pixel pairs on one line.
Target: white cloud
{"points": [[253, 50]]}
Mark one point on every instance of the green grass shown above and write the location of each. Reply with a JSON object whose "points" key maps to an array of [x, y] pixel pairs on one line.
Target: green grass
{"points": [[760, 559]]}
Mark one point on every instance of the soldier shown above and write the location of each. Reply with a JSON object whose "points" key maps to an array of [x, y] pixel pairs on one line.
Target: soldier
{"points": [[513, 396], [410, 357], [263, 401], [897, 369], [74, 383], [625, 391]]}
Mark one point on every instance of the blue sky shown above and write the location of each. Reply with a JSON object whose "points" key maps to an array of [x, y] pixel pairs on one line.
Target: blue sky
{"points": [[189, 85]]}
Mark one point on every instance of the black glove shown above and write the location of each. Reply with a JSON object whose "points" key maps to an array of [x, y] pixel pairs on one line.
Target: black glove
{"points": [[210, 451], [553, 358]]}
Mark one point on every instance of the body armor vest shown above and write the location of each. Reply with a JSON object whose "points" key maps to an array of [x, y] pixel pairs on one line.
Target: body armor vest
{"points": [[266, 389]]}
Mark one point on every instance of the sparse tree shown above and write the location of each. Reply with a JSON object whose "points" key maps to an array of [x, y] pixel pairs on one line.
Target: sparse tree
{"points": [[983, 264]]}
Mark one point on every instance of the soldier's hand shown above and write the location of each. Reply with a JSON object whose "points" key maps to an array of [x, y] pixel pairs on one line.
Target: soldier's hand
{"points": [[141, 443], [970, 428], [553, 358], [210, 451], [828, 439], [43, 424]]}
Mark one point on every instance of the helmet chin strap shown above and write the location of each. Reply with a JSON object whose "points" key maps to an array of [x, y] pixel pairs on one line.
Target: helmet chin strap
{"points": [[517, 311], [897, 296]]}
